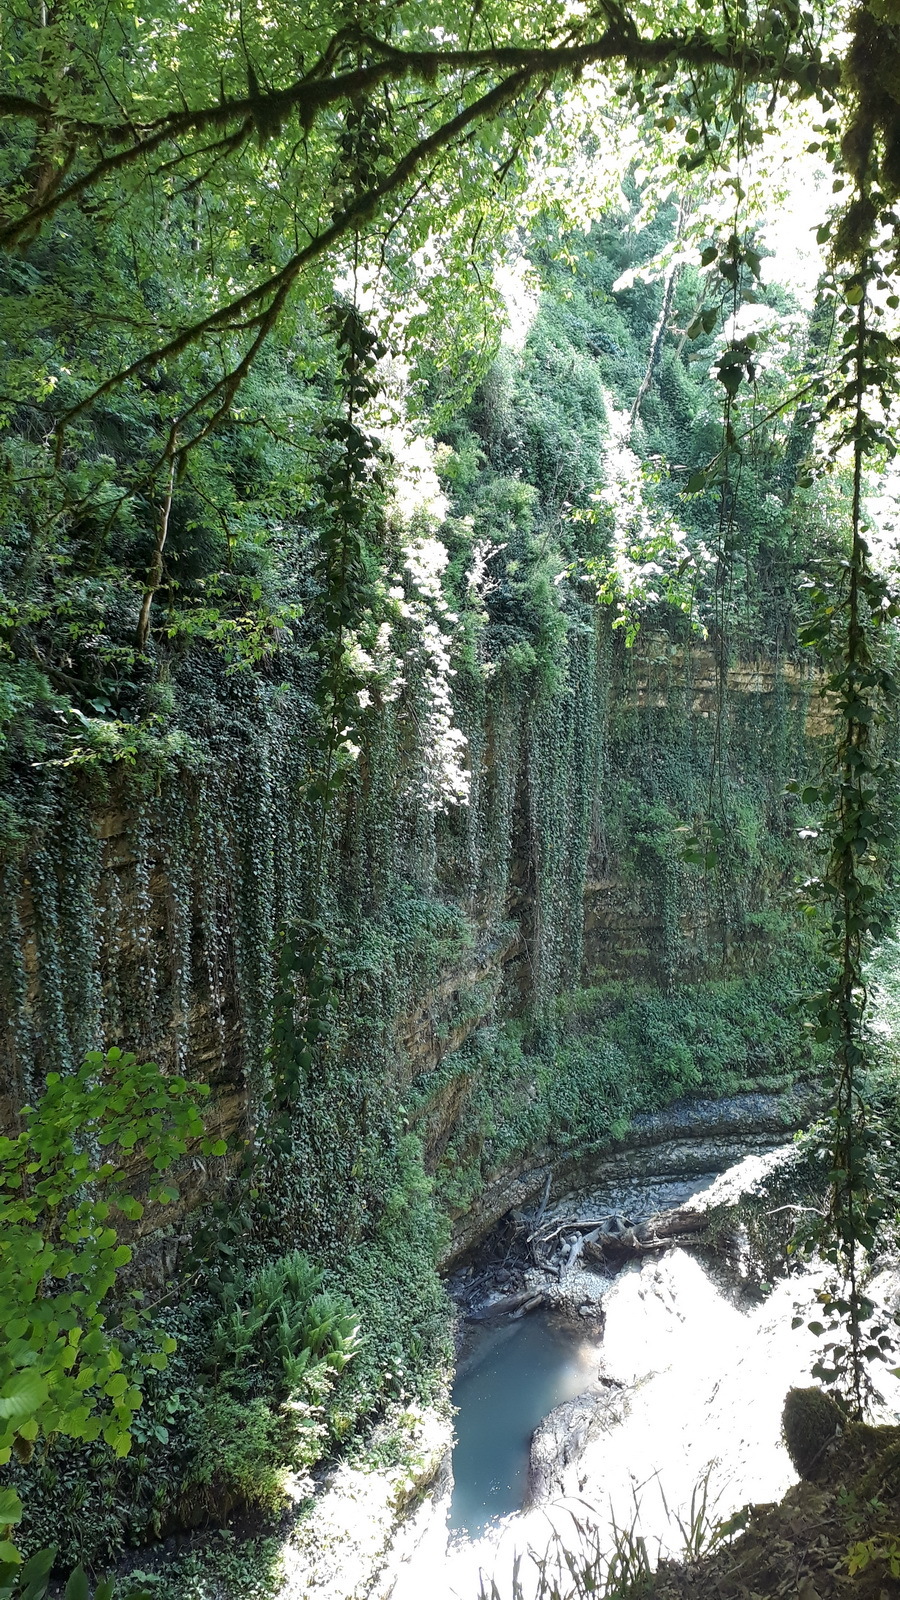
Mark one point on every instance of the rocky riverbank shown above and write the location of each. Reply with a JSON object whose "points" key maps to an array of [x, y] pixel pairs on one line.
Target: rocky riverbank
{"points": [[710, 1154], [379, 1528], [681, 1428], [662, 1154], [693, 1353]]}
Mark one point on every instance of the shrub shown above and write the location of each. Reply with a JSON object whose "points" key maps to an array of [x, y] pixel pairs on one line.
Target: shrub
{"points": [[279, 1327], [243, 1449]]}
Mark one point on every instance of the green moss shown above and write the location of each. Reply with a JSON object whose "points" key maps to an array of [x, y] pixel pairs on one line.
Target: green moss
{"points": [[810, 1421], [604, 1054]]}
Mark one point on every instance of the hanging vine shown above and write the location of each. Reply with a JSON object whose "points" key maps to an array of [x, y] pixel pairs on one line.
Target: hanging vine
{"points": [[350, 528], [847, 631]]}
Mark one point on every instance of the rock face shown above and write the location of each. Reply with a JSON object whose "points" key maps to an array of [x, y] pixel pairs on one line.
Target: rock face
{"points": [[687, 1140], [367, 1524], [147, 917]]}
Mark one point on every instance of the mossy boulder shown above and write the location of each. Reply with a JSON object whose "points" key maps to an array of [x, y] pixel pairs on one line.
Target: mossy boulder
{"points": [[810, 1420]]}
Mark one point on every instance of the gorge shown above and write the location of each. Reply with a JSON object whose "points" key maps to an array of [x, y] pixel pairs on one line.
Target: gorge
{"points": [[448, 800]]}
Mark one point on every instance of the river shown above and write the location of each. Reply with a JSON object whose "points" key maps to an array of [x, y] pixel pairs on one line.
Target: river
{"points": [[682, 1431], [511, 1376]]}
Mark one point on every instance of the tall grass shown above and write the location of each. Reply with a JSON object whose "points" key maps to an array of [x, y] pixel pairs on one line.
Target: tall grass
{"points": [[593, 1561]]}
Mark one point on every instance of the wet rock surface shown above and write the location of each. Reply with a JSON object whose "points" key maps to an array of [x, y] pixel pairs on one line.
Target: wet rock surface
{"points": [[658, 1158], [690, 1373], [560, 1441], [694, 1363]]}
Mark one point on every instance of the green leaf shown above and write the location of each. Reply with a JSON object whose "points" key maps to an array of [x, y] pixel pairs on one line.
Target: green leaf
{"points": [[22, 1395], [35, 1574], [77, 1587], [10, 1507]]}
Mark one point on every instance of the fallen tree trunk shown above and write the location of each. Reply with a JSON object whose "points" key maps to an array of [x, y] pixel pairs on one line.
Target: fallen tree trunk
{"points": [[557, 1244], [653, 1234], [510, 1305]]}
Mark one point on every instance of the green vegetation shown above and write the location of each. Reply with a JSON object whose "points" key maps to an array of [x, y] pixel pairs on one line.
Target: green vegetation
{"points": [[812, 1419], [65, 1181], [393, 894], [607, 1054], [370, 807]]}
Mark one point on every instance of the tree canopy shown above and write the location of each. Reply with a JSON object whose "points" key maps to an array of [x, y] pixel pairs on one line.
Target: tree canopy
{"points": [[273, 148]]}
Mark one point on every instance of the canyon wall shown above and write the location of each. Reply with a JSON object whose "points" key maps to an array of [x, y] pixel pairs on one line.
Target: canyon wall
{"points": [[143, 911]]}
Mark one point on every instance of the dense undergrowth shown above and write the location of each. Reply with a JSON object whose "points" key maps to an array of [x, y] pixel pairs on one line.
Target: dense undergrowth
{"points": [[606, 1055]]}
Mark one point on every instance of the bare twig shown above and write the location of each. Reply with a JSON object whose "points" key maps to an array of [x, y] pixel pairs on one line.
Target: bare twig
{"points": [[156, 565]]}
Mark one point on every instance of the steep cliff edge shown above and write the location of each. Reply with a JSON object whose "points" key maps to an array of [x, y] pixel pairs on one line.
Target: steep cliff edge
{"points": [[151, 923]]}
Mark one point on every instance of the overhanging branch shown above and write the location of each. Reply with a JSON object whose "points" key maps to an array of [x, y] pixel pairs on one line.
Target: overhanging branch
{"points": [[313, 93], [275, 289]]}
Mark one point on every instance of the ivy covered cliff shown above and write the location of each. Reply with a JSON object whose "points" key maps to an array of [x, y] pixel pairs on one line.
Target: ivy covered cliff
{"points": [[448, 617], [493, 944]]}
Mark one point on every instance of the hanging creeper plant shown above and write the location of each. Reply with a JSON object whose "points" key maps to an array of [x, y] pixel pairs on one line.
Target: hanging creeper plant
{"points": [[849, 631], [350, 530], [350, 527]]}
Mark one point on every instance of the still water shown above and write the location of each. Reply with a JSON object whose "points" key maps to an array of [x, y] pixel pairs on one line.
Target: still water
{"points": [[509, 1379]]}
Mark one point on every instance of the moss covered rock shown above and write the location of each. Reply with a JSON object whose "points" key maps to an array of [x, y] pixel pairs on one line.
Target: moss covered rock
{"points": [[810, 1420]]}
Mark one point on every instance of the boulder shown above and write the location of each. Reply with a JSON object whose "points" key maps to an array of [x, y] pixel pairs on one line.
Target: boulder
{"points": [[561, 1439]]}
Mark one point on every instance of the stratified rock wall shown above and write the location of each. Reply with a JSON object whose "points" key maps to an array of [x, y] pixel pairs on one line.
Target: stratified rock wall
{"points": [[144, 915]]}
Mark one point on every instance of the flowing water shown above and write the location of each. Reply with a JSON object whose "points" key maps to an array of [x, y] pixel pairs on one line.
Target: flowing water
{"points": [[511, 1375], [694, 1377], [702, 1380], [509, 1379]]}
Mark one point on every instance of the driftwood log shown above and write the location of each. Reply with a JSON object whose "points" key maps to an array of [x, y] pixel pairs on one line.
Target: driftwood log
{"points": [[510, 1305], [557, 1243], [554, 1245]]}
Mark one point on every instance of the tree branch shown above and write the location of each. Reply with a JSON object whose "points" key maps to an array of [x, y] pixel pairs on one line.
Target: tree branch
{"points": [[354, 216], [310, 95]]}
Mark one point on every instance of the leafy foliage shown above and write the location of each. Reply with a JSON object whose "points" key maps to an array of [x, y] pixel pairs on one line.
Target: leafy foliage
{"points": [[287, 1322], [211, 621], [64, 1178], [609, 1054], [31, 1580]]}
